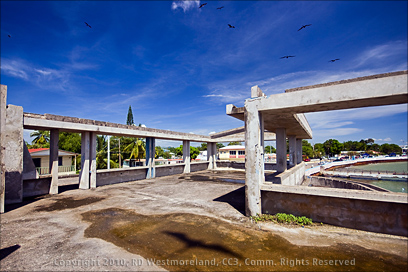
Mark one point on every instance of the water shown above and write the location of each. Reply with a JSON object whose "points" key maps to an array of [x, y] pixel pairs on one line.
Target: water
{"points": [[399, 186], [190, 242]]}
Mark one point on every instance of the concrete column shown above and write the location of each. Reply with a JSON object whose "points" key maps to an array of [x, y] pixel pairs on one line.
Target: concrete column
{"points": [[108, 162], [92, 157], [84, 175], [292, 150], [186, 156], [3, 99], [150, 154], [212, 155], [53, 166], [254, 159], [299, 150], [281, 149]]}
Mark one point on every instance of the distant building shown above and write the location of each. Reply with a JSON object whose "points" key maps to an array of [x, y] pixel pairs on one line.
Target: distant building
{"points": [[202, 156], [232, 153], [41, 159]]}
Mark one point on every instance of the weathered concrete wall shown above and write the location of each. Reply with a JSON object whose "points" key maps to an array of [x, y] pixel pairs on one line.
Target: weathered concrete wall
{"points": [[377, 212], [119, 175], [36, 187], [3, 98], [241, 165], [292, 176], [29, 171], [167, 170], [340, 184], [13, 143], [199, 166]]}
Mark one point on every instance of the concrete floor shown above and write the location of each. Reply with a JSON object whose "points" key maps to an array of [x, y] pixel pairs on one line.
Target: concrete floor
{"points": [[51, 234]]}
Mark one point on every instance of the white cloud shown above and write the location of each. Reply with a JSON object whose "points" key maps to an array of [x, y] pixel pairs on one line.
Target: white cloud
{"points": [[14, 68], [45, 73], [383, 51], [185, 5]]}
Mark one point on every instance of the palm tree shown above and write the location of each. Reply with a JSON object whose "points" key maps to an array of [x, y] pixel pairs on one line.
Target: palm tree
{"points": [[42, 138], [137, 149]]}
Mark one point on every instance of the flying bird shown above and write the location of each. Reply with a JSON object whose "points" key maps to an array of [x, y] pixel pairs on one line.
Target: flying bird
{"points": [[333, 60], [286, 57], [88, 25], [9, 35], [231, 26], [202, 5], [220, 8], [304, 26]]}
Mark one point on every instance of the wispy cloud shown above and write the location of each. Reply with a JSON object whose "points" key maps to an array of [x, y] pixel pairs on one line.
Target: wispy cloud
{"points": [[382, 52], [185, 5]]}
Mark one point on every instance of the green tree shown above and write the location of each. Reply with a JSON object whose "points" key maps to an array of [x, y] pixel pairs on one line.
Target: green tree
{"points": [[136, 147], [194, 152], [129, 120], [70, 142], [41, 139], [332, 147], [270, 149], [319, 150], [202, 147], [234, 143], [220, 145], [307, 149]]}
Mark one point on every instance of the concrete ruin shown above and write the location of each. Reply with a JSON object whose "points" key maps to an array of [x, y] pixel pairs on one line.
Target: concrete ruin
{"points": [[277, 117]]}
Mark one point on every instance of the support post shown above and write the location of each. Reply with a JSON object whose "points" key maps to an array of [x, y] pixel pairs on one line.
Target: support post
{"points": [[186, 156], [92, 157], [254, 158], [150, 153], [108, 152], [299, 150], [3, 99], [84, 175], [53, 163], [212, 155], [292, 150], [281, 162]]}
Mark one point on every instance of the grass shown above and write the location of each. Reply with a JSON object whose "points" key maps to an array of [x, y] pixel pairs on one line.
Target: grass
{"points": [[283, 218]]}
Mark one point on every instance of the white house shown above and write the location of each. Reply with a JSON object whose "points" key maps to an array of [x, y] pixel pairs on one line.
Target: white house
{"points": [[232, 153], [41, 159]]}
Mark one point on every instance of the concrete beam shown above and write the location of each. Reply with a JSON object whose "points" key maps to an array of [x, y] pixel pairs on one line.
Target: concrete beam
{"points": [[53, 163], [238, 135], [85, 147], [186, 156], [72, 124], [150, 154], [281, 160], [3, 101], [376, 90]]}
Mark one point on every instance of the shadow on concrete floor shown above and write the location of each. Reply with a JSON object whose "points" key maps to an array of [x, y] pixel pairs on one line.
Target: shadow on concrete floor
{"points": [[235, 198], [29, 200], [4, 252]]}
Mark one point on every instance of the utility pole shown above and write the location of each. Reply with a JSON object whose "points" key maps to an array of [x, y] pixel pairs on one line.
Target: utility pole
{"points": [[108, 151]]}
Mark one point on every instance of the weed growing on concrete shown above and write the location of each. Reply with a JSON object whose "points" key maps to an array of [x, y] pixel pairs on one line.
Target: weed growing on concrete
{"points": [[283, 218]]}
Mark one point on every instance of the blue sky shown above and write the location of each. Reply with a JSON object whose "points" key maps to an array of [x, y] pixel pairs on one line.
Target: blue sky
{"points": [[178, 65]]}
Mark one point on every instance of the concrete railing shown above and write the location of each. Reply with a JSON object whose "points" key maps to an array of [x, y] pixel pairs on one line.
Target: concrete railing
{"points": [[292, 176], [364, 210]]}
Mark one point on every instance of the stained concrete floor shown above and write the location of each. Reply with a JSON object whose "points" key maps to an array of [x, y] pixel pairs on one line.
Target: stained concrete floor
{"points": [[184, 222]]}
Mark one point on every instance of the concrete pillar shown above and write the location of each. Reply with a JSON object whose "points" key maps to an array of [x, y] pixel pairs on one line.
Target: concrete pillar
{"points": [[299, 150], [53, 164], [150, 154], [84, 175], [281, 149], [92, 157], [108, 162], [212, 155], [292, 150], [254, 159], [186, 156], [3, 99]]}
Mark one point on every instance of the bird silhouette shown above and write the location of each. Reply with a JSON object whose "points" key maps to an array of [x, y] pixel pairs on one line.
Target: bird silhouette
{"points": [[88, 25], [333, 60], [9, 36], [220, 8], [286, 57], [231, 26], [304, 26], [202, 5]]}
